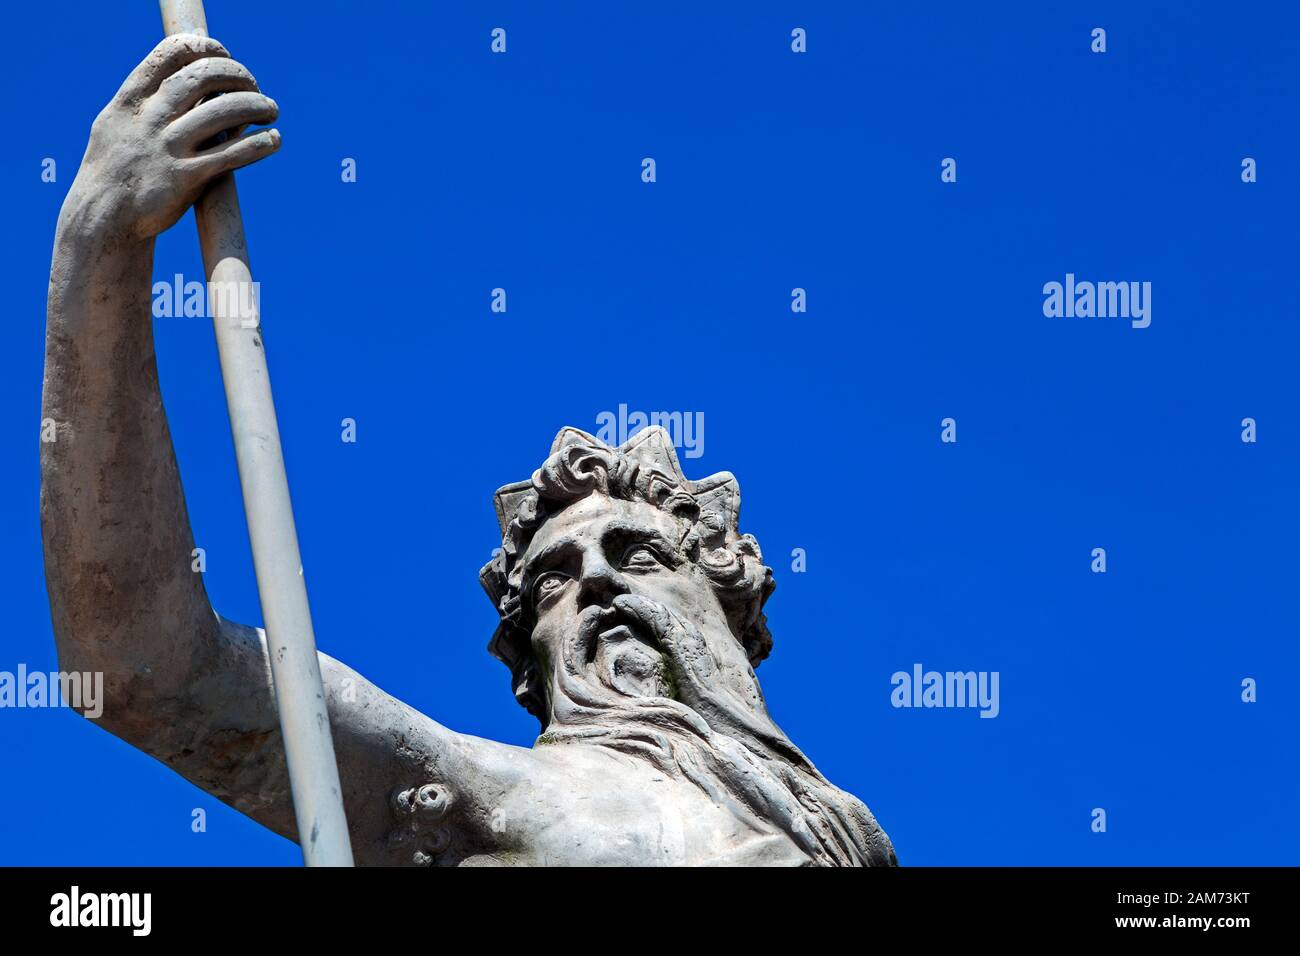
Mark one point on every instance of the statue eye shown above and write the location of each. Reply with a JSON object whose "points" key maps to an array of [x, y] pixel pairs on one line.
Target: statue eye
{"points": [[547, 585], [641, 557]]}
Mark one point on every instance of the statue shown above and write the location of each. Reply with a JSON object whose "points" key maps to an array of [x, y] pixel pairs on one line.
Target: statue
{"points": [[631, 606]]}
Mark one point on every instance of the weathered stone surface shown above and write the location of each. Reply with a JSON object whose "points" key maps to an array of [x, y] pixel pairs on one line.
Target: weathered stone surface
{"points": [[630, 603]]}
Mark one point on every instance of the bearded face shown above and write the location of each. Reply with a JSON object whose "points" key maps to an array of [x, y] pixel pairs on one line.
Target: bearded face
{"points": [[631, 612], [615, 601]]}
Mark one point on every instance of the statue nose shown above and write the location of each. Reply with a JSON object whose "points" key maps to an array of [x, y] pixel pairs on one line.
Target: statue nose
{"points": [[600, 583]]}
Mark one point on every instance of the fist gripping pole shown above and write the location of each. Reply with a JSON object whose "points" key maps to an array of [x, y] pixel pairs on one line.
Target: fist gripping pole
{"points": [[290, 641]]}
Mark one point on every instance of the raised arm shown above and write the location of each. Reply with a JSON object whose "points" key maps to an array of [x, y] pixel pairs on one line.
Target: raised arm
{"points": [[180, 683]]}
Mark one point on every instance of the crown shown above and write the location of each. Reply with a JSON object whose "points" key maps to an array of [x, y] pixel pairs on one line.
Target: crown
{"points": [[646, 461]]}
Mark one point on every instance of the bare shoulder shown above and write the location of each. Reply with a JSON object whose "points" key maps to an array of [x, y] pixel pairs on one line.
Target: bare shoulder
{"points": [[412, 787], [416, 792]]}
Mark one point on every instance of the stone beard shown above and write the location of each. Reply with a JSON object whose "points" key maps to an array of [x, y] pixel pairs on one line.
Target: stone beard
{"points": [[632, 620]]}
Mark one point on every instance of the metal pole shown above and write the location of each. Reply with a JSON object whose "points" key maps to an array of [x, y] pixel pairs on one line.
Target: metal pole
{"points": [[290, 641]]}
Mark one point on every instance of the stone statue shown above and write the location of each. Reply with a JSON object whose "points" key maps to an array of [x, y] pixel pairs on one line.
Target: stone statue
{"points": [[630, 604]]}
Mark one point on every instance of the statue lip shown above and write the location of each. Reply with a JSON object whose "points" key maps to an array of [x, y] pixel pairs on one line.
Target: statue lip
{"points": [[612, 625], [619, 632]]}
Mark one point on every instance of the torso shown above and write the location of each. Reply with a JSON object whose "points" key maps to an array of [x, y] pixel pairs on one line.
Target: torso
{"points": [[587, 805]]}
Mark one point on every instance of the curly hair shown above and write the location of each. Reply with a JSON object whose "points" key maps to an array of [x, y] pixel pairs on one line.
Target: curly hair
{"points": [[644, 468]]}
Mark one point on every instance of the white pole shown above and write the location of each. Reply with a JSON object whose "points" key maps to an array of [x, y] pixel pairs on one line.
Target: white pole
{"points": [[290, 641]]}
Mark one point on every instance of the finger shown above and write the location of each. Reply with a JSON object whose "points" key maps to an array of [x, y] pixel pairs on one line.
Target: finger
{"points": [[235, 153], [167, 57], [209, 76], [218, 115]]}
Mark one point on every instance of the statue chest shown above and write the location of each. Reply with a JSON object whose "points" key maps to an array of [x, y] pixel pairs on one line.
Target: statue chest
{"points": [[641, 818], [595, 813]]}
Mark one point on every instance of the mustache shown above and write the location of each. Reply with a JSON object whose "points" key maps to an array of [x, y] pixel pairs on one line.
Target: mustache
{"points": [[698, 679], [584, 702], [619, 621], [704, 684]]}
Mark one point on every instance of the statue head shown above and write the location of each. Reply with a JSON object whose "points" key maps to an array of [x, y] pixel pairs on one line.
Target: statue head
{"points": [[596, 522], [632, 616]]}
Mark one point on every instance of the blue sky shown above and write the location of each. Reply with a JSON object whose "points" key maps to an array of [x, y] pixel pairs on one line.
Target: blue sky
{"points": [[774, 170]]}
